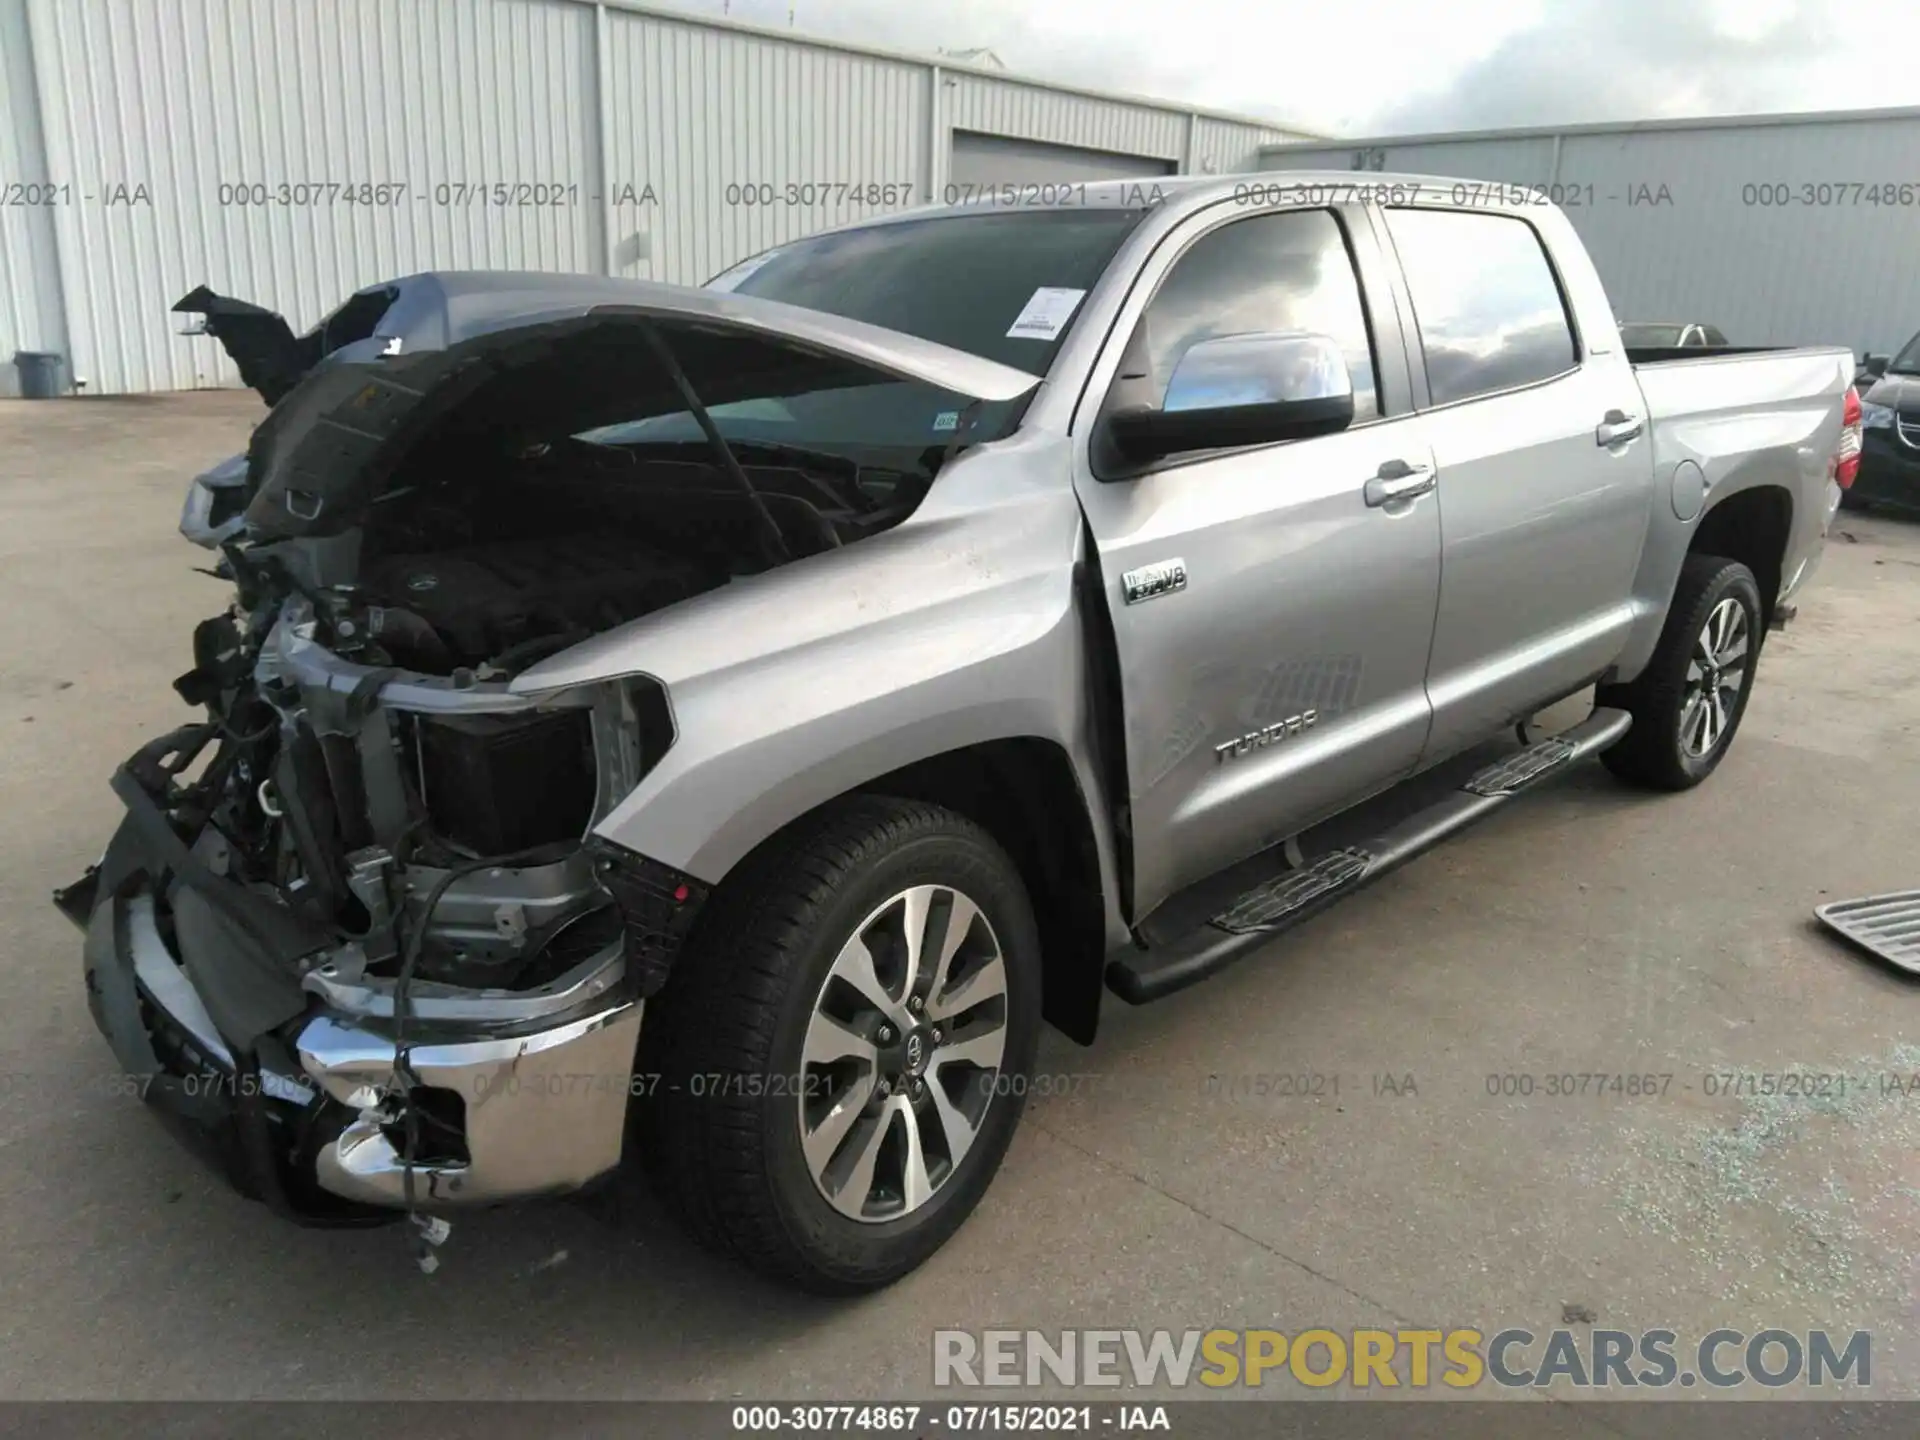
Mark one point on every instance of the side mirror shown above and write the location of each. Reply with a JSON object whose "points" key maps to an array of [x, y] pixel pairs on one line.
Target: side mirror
{"points": [[1874, 365], [1249, 389]]}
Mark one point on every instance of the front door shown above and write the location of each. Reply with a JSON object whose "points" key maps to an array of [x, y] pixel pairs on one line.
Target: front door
{"points": [[1272, 608]]}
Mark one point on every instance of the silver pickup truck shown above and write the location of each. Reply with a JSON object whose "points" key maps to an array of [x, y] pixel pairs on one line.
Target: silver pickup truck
{"points": [[716, 728]]}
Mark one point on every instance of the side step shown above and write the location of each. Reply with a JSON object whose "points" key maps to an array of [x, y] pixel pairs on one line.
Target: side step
{"points": [[1280, 903]]}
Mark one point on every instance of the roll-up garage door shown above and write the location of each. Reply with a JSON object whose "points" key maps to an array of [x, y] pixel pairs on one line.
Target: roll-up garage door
{"points": [[997, 160]]}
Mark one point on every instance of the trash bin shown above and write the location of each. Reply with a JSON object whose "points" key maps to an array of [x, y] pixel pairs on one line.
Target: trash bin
{"points": [[39, 374]]}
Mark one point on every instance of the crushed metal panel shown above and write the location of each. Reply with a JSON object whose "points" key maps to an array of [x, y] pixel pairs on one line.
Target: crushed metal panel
{"points": [[1885, 925]]}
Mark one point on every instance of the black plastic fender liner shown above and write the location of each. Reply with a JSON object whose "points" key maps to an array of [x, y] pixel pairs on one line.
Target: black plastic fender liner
{"points": [[658, 905]]}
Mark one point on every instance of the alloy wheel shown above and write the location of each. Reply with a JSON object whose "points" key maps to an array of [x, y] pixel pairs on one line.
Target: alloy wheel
{"points": [[1716, 672], [902, 1053]]}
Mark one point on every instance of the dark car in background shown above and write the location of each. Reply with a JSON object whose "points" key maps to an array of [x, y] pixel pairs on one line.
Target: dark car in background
{"points": [[1890, 442]]}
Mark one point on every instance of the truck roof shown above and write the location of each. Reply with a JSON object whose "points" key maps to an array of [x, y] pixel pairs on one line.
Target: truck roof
{"points": [[1192, 192]]}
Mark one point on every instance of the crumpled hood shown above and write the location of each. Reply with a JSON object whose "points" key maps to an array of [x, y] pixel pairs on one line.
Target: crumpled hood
{"points": [[351, 394]]}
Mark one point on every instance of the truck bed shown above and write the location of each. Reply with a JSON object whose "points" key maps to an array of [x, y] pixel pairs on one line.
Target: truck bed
{"points": [[1751, 380], [1638, 355]]}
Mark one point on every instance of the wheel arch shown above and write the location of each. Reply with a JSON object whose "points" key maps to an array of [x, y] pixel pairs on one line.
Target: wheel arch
{"points": [[1752, 522], [1752, 526], [1024, 792]]}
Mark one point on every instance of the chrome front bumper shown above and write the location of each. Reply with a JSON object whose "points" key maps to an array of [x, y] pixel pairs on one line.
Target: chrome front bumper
{"points": [[545, 1112], [542, 1110]]}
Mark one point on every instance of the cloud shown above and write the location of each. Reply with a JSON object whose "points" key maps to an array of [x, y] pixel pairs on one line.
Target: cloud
{"points": [[1395, 66], [1265, 61], [1599, 60]]}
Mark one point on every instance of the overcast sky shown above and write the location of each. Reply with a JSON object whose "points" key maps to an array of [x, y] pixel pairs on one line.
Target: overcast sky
{"points": [[1379, 67]]}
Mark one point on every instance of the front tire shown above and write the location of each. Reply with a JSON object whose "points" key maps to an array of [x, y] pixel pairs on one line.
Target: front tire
{"points": [[842, 1052], [1688, 702]]}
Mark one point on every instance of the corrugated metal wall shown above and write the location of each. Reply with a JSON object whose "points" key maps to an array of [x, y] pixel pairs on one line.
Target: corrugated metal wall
{"points": [[1000, 107], [291, 152], [230, 142], [1228, 147], [748, 140], [31, 314], [1798, 231]]}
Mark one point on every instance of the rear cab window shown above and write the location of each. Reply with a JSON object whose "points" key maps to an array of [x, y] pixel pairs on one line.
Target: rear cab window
{"points": [[1486, 303]]}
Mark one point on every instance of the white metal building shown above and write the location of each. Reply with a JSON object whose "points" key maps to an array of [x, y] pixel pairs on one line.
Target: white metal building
{"points": [[1780, 230], [291, 151]]}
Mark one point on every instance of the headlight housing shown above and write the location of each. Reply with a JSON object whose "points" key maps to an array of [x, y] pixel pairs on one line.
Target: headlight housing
{"points": [[1875, 417]]}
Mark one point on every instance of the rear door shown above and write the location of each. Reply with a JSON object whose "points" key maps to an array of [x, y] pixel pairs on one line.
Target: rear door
{"points": [[1273, 651], [1545, 469]]}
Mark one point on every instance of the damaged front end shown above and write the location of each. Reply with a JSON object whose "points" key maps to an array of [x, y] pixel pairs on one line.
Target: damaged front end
{"points": [[357, 933]]}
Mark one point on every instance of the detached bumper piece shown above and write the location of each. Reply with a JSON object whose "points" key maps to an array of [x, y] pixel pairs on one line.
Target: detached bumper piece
{"points": [[1885, 926]]}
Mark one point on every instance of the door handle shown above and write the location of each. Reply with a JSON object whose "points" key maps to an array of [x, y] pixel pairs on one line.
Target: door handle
{"points": [[1617, 428], [1397, 480]]}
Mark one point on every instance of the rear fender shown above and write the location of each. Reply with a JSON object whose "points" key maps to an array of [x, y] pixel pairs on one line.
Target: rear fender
{"points": [[1716, 446]]}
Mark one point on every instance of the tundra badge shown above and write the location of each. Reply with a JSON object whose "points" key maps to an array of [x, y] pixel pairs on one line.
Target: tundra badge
{"points": [[1265, 736], [1150, 582]]}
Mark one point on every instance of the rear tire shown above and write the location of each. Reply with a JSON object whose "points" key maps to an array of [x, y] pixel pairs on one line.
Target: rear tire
{"points": [[1688, 702], [803, 1119]]}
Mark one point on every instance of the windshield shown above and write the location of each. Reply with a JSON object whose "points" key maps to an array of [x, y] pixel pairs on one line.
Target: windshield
{"points": [[1907, 362], [1651, 337], [1004, 285]]}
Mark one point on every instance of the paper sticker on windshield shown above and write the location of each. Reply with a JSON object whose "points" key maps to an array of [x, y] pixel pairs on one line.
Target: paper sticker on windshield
{"points": [[739, 274], [1046, 314], [947, 420]]}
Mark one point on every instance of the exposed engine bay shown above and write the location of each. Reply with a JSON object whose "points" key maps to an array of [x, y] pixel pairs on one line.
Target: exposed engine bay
{"points": [[492, 565], [469, 569]]}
